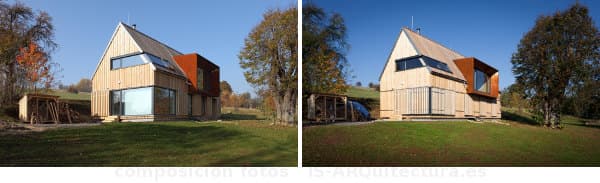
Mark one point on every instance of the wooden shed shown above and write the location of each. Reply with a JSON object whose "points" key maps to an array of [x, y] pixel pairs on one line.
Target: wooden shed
{"points": [[47, 108]]}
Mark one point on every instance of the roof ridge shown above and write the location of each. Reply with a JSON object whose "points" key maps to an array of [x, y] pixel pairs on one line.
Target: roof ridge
{"points": [[418, 34], [150, 37]]}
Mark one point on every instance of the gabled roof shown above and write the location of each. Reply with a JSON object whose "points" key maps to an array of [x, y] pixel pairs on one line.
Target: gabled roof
{"points": [[149, 45], [432, 49]]}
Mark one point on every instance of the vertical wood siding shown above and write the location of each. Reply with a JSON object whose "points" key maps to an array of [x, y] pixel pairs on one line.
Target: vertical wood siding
{"points": [[105, 79]]}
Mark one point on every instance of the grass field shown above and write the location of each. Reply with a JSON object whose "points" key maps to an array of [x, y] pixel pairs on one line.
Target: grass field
{"points": [[521, 143], [450, 144], [242, 142]]}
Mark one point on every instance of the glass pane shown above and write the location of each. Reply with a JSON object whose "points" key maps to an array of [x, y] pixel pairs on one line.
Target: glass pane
{"points": [[132, 61], [137, 101], [200, 79], [158, 61], [164, 101], [161, 101], [481, 81], [413, 63], [172, 105], [436, 64], [115, 99], [115, 64], [400, 65]]}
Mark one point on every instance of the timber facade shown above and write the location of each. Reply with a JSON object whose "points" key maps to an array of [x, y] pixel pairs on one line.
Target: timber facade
{"points": [[141, 79], [423, 79]]}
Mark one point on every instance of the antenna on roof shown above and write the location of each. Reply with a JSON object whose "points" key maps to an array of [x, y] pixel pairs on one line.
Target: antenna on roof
{"points": [[128, 18], [412, 21]]}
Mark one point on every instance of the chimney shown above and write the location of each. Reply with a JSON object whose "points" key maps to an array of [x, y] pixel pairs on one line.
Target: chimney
{"points": [[133, 25], [419, 31]]}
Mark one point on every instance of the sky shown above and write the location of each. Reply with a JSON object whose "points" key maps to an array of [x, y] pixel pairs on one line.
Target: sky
{"points": [[213, 29], [487, 30]]}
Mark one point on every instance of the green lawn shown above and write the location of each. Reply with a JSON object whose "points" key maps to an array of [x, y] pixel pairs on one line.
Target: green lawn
{"points": [[239, 143], [450, 144]]}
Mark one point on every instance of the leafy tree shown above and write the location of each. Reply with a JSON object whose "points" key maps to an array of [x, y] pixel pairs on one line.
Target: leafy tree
{"points": [[512, 96], [269, 58], [226, 93], [36, 66], [358, 83], [84, 85], [558, 56], [324, 47], [20, 26]]}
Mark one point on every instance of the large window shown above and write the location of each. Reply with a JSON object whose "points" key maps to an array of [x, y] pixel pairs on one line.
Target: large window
{"points": [[127, 61], [158, 61], [139, 59], [200, 79], [436, 64], [481, 83], [407, 64], [164, 101], [139, 101], [131, 101]]}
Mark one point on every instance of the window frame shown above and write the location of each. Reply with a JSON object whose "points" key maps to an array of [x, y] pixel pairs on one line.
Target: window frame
{"points": [[486, 81], [427, 60], [405, 60], [112, 64], [121, 109]]}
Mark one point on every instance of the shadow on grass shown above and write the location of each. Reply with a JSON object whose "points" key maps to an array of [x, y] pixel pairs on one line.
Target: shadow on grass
{"points": [[232, 116], [520, 118], [117, 145]]}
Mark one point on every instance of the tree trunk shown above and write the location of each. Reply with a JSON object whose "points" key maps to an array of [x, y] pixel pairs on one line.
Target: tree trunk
{"points": [[285, 106]]}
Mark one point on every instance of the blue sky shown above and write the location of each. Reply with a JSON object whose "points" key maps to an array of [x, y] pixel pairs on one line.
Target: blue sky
{"points": [[214, 29], [487, 30]]}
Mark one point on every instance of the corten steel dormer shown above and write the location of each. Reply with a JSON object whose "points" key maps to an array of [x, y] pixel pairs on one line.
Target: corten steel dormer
{"points": [[468, 66], [195, 66]]}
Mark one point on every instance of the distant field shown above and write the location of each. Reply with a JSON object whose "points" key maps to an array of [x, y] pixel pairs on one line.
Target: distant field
{"points": [[70, 96]]}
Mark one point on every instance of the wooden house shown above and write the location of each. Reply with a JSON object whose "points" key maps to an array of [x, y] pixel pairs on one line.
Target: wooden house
{"points": [[423, 79], [141, 79]]}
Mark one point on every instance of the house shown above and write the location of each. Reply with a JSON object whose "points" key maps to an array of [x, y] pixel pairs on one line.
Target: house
{"points": [[423, 79], [141, 79]]}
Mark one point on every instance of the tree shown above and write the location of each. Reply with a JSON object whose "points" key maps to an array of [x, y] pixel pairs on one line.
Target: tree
{"points": [[512, 96], [84, 85], [358, 83], [226, 93], [244, 99], [558, 56], [36, 66], [20, 26], [269, 58], [324, 47]]}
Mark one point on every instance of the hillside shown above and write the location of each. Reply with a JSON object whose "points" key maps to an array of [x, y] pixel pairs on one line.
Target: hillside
{"points": [[362, 92], [366, 96]]}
